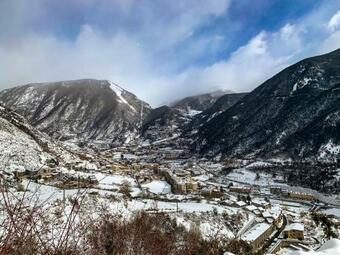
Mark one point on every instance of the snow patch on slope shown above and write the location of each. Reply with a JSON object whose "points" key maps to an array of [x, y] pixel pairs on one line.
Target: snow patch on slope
{"points": [[119, 91], [192, 112], [329, 149], [301, 84]]}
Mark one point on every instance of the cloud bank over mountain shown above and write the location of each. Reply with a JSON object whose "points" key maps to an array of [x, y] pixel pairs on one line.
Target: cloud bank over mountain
{"points": [[159, 50]]}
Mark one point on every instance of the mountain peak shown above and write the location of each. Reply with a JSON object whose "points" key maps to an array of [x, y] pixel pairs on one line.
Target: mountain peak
{"points": [[78, 110], [295, 113], [199, 102]]}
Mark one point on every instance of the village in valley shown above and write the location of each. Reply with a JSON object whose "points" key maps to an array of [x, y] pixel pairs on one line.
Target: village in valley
{"points": [[232, 199], [154, 127]]}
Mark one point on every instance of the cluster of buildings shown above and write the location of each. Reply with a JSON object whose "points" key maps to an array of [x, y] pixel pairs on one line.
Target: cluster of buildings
{"points": [[241, 189], [283, 192], [186, 177], [288, 193], [181, 181], [269, 225], [60, 175], [263, 228]]}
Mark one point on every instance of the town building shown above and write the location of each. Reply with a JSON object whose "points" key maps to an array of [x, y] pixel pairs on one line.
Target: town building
{"points": [[257, 235], [47, 173], [261, 203], [294, 231], [273, 216], [245, 190], [180, 181], [292, 194], [300, 196]]}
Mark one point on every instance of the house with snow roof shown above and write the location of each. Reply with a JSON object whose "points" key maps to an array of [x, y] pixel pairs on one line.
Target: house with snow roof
{"points": [[294, 231], [258, 235]]}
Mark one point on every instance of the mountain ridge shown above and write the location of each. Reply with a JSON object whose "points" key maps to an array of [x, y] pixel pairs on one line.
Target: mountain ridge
{"points": [[78, 110], [265, 121], [199, 102]]}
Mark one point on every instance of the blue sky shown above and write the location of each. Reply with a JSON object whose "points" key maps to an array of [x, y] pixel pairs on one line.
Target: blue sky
{"points": [[160, 49]]}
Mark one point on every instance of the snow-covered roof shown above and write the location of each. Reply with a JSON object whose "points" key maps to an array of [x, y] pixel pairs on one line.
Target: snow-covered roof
{"points": [[255, 232], [295, 226], [88, 165], [266, 214], [251, 207], [259, 201], [274, 212], [259, 164], [240, 203]]}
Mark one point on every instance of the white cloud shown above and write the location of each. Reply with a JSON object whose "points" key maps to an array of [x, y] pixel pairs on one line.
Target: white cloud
{"points": [[136, 59], [287, 31], [41, 59], [334, 22], [130, 58], [261, 58], [331, 43], [247, 67]]}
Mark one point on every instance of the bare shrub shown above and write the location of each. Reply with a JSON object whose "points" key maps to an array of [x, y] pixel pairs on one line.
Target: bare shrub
{"points": [[30, 226], [147, 234], [240, 247], [125, 188]]}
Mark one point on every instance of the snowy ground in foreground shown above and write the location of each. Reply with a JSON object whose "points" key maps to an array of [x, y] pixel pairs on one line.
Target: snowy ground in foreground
{"points": [[333, 211], [50, 194], [187, 213], [331, 247]]}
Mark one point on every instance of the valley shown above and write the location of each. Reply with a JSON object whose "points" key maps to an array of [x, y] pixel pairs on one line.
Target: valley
{"points": [[223, 199], [257, 171]]}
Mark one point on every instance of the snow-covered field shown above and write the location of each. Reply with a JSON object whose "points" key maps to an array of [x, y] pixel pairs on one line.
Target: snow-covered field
{"points": [[245, 176], [188, 207], [333, 211], [158, 187], [106, 181], [50, 194], [331, 247], [258, 164]]}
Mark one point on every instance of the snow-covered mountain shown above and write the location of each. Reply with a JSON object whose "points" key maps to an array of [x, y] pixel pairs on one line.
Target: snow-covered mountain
{"points": [[168, 122], [295, 113], [222, 104], [80, 110], [196, 104], [164, 122], [23, 147]]}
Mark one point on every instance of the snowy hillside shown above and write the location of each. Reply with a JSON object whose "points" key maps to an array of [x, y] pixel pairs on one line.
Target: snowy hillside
{"points": [[295, 113], [80, 110], [23, 147], [186, 115]]}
